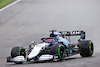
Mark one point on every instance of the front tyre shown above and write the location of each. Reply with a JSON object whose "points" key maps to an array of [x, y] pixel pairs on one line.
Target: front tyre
{"points": [[86, 48], [18, 51]]}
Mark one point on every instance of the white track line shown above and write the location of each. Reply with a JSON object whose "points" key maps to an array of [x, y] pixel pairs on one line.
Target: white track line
{"points": [[9, 5]]}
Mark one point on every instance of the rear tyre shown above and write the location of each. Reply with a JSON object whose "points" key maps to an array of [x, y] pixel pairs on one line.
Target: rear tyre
{"points": [[86, 48], [18, 51]]}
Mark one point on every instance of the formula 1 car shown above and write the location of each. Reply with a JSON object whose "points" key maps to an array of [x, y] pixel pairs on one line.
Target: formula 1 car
{"points": [[55, 47]]}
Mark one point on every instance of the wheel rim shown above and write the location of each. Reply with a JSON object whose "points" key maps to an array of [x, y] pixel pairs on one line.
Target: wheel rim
{"points": [[21, 52]]}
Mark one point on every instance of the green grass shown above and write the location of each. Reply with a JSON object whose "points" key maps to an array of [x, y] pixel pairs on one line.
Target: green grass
{"points": [[5, 2]]}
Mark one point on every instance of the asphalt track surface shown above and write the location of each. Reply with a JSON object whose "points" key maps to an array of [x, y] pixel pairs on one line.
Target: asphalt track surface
{"points": [[32, 19]]}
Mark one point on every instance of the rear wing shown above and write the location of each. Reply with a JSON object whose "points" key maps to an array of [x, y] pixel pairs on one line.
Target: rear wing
{"points": [[74, 33], [80, 33]]}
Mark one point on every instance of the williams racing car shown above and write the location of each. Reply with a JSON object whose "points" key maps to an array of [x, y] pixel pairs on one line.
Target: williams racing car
{"points": [[55, 47]]}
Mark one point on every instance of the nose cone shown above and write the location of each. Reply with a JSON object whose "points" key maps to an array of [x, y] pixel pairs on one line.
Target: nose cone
{"points": [[34, 52]]}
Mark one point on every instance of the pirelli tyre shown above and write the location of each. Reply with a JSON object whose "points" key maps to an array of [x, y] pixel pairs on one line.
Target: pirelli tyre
{"points": [[86, 48], [59, 50], [18, 51]]}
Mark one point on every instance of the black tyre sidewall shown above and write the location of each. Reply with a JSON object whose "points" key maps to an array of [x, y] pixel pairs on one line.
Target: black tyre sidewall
{"points": [[55, 50], [16, 51], [85, 51]]}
